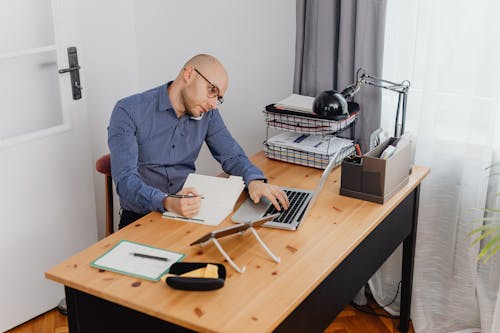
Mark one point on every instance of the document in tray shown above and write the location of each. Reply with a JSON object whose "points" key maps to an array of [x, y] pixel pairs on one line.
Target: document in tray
{"points": [[219, 197], [318, 144], [296, 102], [138, 260]]}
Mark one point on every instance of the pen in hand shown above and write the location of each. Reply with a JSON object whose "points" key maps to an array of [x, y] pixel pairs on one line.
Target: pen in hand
{"points": [[183, 217], [148, 256], [181, 196]]}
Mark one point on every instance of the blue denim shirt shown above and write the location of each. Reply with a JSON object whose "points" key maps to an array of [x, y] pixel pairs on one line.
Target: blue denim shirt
{"points": [[153, 151]]}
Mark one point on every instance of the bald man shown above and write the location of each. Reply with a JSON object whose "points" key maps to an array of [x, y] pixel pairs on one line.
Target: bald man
{"points": [[155, 137]]}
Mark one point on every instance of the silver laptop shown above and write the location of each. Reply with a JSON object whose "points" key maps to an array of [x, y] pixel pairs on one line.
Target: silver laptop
{"points": [[301, 203]]}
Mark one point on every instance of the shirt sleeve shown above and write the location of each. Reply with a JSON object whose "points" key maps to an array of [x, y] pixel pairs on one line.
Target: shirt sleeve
{"points": [[135, 194], [228, 152]]}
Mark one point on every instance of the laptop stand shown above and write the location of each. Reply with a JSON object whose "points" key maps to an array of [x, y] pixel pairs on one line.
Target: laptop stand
{"points": [[229, 260]]}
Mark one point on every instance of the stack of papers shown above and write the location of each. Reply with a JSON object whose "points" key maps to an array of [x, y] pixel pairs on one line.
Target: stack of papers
{"points": [[219, 197], [297, 103], [316, 144]]}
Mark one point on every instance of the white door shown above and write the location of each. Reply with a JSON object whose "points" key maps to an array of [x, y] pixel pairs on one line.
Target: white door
{"points": [[47, 203]]}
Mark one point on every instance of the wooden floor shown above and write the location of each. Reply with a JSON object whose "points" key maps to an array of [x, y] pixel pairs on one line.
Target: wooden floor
{"points": [[348, 321], [49, 322], [351, 320]]}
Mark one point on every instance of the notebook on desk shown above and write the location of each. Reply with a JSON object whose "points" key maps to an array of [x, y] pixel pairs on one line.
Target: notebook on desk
{"points": [[219, 197], [301, 203]]}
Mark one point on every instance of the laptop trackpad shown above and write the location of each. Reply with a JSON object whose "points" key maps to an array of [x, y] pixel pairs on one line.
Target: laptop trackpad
{"points": [[249, 211]]}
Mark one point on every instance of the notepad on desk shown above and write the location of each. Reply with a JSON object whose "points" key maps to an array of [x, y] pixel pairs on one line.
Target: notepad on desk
{"points": [[138, 260], [219, 197]]}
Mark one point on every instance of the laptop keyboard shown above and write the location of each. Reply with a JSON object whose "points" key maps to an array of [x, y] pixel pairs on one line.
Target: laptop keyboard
{"points": [[296, 200]]}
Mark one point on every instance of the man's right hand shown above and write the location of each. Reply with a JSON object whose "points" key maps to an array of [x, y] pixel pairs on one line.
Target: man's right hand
{"points": [[188, 207]]}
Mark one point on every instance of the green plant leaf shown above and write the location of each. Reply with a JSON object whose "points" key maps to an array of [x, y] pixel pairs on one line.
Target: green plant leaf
{"points": [[488, 246], [484, 227], [484, 235], [492, 252], [492, 218], [490, 210], [487, 210]]}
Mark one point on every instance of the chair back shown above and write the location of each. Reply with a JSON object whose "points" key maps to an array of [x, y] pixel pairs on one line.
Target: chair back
{"points": [[103, 165]]}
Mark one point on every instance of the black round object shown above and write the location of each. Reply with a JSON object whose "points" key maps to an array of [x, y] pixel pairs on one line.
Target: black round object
{"points": [[330, 104], [192, 283]]}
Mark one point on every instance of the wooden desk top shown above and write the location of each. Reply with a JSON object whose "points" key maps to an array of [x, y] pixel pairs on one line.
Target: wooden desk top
{"points": [[259, 299]]}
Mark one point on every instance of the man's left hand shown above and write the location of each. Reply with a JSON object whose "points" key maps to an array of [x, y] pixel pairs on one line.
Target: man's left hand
{"points": [[257, 189]]}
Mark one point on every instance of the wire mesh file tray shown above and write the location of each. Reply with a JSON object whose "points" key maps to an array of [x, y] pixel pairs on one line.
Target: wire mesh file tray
{"points": [[307, 123], [319, 161]]}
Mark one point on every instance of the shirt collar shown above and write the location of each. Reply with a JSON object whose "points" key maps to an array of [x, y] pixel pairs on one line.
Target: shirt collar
{"points": [[164, 99]]}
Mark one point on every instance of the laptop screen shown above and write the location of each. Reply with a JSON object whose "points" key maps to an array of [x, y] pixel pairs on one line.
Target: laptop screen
{"points": [[322, 181]]}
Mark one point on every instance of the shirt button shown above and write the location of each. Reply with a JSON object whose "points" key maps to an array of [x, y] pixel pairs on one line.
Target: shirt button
{"points": [[170, 184], [173, 146]]}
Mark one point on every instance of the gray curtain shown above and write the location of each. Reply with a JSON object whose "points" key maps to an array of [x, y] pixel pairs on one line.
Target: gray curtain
{"points": [[334, 39]]}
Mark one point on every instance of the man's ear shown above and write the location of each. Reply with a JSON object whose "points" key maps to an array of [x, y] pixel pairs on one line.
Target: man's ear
{"points": [[188, 73]]}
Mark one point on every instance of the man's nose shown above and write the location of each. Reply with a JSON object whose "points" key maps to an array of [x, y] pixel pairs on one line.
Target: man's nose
{"points": [[212, 102]]}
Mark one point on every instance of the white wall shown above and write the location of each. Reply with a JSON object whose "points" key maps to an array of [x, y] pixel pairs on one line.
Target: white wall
{"points": [[130, 46], [108, 59]]}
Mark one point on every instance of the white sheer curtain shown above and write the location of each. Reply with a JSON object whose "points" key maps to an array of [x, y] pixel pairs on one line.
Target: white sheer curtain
{"points": [[450, 51]]}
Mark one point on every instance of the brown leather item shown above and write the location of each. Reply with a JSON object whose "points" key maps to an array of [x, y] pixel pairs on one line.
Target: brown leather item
{"points": [[103, 165]]}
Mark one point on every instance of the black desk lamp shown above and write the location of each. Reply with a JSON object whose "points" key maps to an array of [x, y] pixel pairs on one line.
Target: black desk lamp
{"points": [[331, 104]]}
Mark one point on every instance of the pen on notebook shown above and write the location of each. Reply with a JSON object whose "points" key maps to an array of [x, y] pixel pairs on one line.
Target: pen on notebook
{"points": [[181, 196], [183, 217], [148, 256]]}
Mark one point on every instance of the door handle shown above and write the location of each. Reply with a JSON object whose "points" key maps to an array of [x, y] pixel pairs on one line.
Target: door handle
{"points": [[65, 70], [74, 70]]}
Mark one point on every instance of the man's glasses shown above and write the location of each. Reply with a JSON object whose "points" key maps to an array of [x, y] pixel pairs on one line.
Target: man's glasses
{"points": [[213, 90]]}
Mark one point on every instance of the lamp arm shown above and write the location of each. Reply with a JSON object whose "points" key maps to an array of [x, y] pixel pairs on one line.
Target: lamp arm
{"points": [[401, 88]]}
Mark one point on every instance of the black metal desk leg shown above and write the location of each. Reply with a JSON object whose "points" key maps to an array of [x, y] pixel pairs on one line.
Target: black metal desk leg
{"points": [[407, 269], [72, 306]]}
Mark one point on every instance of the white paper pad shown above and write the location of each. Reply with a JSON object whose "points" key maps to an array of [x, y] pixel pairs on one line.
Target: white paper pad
{"points": [[120, 259], [220, 196]]}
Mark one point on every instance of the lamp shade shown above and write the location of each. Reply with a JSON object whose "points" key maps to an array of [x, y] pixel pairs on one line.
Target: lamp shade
{"points": [[331, 104]]}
